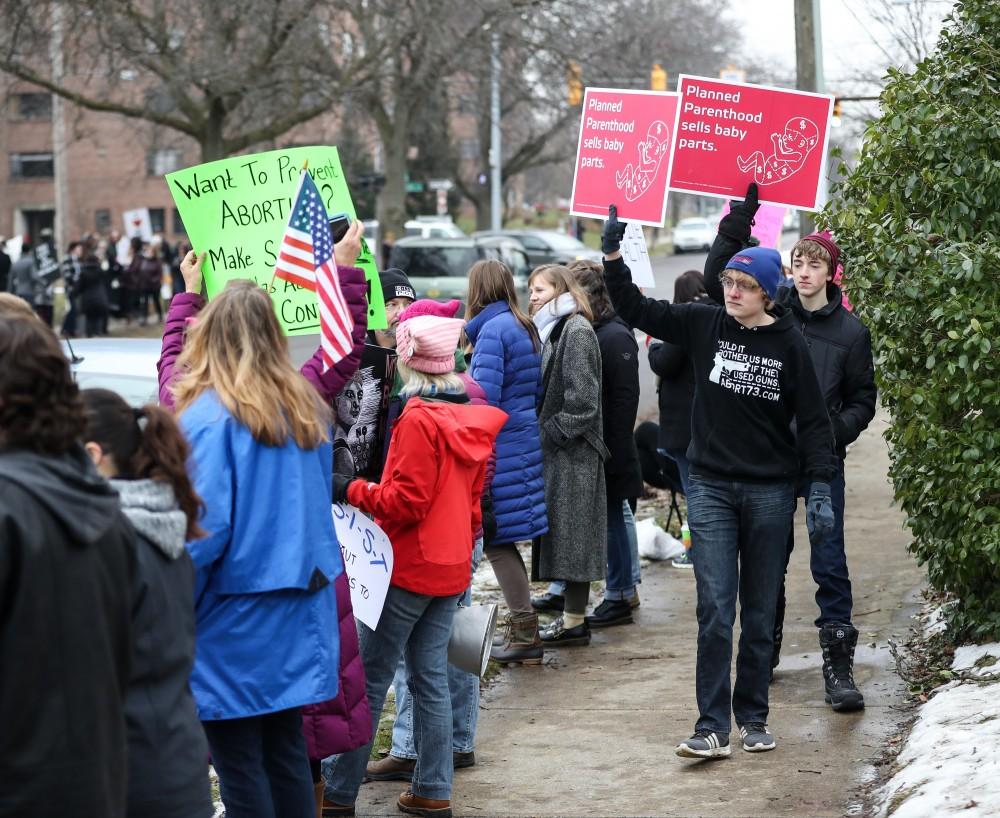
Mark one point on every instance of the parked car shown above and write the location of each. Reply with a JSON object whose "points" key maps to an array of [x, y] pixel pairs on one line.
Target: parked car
{"points": [[693, 234], [547, 246], [433, 227], [439, 268]]}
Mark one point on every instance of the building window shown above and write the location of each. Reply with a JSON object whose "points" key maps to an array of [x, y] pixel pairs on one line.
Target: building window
{"points": [[102, 220], [31, 166], [33, 106], [179, 229], [163, 161], [157, 219]]}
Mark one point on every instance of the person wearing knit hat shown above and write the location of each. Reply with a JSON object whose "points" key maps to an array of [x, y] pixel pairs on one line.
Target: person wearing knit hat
{"points": [[398, 293], [841, 351], [427, 502], [753, 375]]}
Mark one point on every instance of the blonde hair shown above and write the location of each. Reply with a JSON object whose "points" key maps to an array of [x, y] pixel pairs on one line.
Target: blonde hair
{"points": [[236, 347], [563, 281], [13, 306], [416, 383]]}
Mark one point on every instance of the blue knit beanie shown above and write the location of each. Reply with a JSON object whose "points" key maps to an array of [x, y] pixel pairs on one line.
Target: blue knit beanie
{"points": [[763, 263]]}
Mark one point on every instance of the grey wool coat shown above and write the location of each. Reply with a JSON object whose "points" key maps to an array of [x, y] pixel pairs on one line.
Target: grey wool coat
{"points": [[573, 455]]}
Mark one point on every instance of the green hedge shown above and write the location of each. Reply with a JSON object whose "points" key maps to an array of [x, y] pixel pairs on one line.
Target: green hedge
{"points": [[919, 221]]}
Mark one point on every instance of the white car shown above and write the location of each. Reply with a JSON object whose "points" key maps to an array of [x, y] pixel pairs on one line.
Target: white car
{"points": [[693, 234], [433, 227]]}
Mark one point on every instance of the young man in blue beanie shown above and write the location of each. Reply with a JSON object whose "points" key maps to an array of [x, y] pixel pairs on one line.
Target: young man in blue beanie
{"points": [[753, 377]]}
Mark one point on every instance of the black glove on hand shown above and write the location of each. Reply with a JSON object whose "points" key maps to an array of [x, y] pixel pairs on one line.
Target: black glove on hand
{"points": [[614, 232], [340, 484], [819, 512], [737, 222]]}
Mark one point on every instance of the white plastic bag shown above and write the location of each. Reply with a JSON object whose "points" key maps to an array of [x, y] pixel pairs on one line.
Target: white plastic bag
{"points": [[655, 543]]}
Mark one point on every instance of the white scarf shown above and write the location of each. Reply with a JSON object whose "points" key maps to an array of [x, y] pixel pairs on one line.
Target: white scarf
{"points": [[550, 313]]}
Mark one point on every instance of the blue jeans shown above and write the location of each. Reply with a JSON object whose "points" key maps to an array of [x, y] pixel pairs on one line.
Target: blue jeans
{"points": [[262, 765], [417, 627], [683, 467], [633, 543], [464, 689], [738, 536], [624, 571], [828, 562]]}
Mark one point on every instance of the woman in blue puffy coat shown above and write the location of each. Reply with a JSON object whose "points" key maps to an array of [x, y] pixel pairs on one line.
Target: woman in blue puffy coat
{"points": [[265, 607], [507, 364]]}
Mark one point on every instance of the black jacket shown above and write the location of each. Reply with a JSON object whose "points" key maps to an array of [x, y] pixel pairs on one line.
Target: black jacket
{"points": [[619, 406], [841, 350], [67, 567], [91, 286], [750, 384]]}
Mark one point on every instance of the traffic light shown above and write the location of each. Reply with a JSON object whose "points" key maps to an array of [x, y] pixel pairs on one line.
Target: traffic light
{"points": [[574, 83], [658, 78]]}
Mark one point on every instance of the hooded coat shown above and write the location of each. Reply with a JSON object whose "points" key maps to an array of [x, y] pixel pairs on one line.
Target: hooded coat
{"points": [[67, 571], [428, 502], [167, 750]]}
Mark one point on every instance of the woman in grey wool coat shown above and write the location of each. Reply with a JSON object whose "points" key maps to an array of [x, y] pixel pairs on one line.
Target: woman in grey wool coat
{"points": [[573, 451]]}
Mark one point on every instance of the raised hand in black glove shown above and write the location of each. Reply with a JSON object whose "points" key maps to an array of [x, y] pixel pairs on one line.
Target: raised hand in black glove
{"points": [[340, 484], [614, 232], [737, 222]]}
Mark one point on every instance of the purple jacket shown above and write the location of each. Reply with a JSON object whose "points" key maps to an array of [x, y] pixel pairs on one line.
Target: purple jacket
{"points": [[344, 722], [185, 306]]}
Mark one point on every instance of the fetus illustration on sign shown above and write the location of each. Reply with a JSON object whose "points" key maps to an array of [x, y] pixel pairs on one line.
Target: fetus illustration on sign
{"points": [[791, 147], [636, 179]]}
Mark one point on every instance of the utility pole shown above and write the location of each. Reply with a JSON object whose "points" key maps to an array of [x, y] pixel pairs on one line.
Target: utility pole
{"points": [[60, 182], [809, 71], [496, 183]]}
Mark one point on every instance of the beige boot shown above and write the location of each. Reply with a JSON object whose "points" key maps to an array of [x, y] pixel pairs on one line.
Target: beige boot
{"points": [[521, 643], [318, 788]]}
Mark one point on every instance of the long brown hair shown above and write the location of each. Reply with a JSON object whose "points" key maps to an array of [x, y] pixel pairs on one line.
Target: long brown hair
{"points": [[563, 281], [590, 276], [490, 281], [144, 443], [236, 347]]}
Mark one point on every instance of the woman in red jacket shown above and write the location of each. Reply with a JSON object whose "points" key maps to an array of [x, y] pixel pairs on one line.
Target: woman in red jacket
{"points": [[428, 504]]}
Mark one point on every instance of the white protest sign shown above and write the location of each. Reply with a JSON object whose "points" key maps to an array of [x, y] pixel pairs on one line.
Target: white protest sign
{"points": [[137, 223], [367, 559], [637, 257]]}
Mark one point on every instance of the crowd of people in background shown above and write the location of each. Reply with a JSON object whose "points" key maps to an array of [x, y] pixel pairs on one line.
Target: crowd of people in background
{"points": [[98, 277], [171, 573]]}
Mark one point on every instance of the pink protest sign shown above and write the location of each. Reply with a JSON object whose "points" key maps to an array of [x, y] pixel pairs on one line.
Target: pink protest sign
{"points": [[623, 156], [730, 134], [767, 224]]}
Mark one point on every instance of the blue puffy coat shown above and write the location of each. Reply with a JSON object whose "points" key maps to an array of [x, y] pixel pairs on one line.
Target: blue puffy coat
{"points": [[265, 608], [508, 367]]}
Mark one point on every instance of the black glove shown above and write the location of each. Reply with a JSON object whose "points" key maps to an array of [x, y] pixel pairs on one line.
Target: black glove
{"points": [[340, 484], [614, 232], [737, 222], [819, 512]]}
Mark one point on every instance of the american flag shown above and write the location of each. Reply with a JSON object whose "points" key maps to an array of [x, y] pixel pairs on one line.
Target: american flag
{"points": [[306, 258]]}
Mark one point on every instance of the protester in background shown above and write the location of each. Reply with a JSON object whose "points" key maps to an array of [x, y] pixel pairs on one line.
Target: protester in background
{"points": [[130, 281], [573, 452], [143, 454], [148, 283], [398, 764], [92, 286], [675, 389], [5, 263], [71, 287], [265, 607], [23, 281], [428, 504], [752, 377], [47, 272], [67, 568], [506, 362], [623, 478]]}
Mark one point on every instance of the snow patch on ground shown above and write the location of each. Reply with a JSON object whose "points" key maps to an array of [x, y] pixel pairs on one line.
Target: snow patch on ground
{"points": [[950, 763]]}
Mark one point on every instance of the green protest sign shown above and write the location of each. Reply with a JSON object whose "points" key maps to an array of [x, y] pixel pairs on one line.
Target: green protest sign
{"points": [[235, 210]]}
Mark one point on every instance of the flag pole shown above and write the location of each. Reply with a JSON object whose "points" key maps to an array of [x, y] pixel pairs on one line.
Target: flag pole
{"points": [[274, 275]]}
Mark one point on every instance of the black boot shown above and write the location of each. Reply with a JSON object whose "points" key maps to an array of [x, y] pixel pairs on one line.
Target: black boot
{"points": [[838, 642]]}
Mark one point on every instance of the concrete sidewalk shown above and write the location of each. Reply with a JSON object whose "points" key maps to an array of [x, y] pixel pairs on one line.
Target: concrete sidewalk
{"points": [[592, 732]]}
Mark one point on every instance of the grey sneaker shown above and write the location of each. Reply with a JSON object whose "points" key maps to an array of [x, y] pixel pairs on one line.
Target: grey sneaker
{"points": [[756, 737], [682, 561], [704, 744]]}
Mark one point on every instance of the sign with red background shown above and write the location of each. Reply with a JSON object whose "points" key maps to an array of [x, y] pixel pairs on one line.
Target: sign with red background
{"points": [[729, 134], [623, 156]]}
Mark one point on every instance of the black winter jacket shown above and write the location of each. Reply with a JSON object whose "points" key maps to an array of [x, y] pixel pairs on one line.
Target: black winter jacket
{"points": [[67, 567], [619, 406]]}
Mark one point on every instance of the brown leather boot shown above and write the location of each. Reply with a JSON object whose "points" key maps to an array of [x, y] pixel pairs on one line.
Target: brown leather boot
{"points": [[390, 768], [521, 643], [428, 807]]}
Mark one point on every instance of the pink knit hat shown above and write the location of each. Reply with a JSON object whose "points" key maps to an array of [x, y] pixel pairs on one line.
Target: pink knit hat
{"points": [[425, 306], [427, 343]]}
